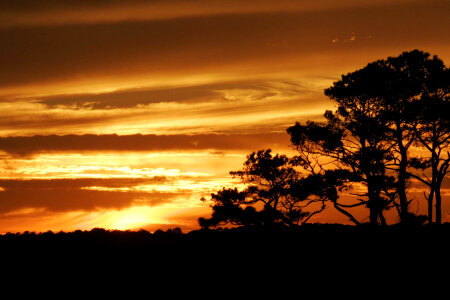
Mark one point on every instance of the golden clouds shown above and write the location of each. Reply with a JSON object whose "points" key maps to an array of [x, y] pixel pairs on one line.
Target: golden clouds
{"points": [[183, 75], [73, 191], [221, 107], [92, 194]]}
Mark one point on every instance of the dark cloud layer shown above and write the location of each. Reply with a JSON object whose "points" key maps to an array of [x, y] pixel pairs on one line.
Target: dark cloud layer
{"points": [[77, 183], [68, 195], [53, 53], [138, 142], [57, 5], [17, 12]]}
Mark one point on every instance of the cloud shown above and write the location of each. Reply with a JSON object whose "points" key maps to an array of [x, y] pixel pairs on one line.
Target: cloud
{"points": [[133, 97], [63, 195], [195, 93], [211, 43], [51, 12], [112, 142], [71, 184], [223, 106]]}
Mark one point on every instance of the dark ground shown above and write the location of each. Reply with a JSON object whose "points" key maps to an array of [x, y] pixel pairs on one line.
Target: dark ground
{"points": [[331, 258], [313, 240]]}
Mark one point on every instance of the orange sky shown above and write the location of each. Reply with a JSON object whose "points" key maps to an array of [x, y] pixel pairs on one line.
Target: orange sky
{"points": [[123, 114]]}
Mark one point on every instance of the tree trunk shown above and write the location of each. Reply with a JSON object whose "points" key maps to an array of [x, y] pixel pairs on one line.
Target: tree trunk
{"points": [[438, 206], [439, 178], [401, 180], [437, 193], [430, 204], [373, 205], [435, 182], [401, 189], [382, 218]]}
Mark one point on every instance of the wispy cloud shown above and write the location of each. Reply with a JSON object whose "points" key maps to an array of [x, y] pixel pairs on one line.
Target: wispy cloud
{"points": [[221, 107], [53, 12], [142, 143]]}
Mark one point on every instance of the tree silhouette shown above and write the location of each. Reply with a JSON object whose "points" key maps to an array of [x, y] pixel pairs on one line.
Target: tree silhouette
{"points": [[351, 140], [377, 122], [413, 90], [433, 131], [409, 82], [382, 111], [275, 194]]}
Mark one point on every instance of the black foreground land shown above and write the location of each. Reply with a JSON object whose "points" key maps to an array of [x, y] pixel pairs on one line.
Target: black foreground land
{"points": [[326, 259], [333, 242]]}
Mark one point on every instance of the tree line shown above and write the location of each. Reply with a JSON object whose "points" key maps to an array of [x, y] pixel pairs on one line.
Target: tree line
{"points": [[390, 127]]}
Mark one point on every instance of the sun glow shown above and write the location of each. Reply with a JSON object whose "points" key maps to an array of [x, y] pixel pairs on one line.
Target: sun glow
{"points": [[132, 218], [139, 217]]}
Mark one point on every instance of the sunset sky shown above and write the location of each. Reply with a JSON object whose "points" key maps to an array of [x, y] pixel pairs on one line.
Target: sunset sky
{"points": [[123, 114]]}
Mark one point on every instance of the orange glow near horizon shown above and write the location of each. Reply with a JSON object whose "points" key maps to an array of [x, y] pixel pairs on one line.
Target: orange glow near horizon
{"points": [[123, 116]]}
